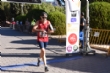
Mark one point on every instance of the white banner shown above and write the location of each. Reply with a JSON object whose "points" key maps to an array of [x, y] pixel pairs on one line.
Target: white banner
{"points": [[72, 25]]}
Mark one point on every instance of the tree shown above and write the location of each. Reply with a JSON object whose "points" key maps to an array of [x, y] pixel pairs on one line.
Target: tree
{"points": [[4, 9]]}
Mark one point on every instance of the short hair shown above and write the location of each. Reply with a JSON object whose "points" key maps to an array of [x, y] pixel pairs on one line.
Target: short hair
{"points": [[44, 14], [82, 13]]}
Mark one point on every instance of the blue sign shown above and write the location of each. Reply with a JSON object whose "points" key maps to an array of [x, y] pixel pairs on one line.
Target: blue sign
{"points": [[73, 19]]}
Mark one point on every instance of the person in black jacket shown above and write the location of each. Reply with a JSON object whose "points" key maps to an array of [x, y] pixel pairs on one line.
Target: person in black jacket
{"points": [[82, 21]]}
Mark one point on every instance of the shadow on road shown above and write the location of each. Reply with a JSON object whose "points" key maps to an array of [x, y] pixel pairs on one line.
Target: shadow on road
{"points": [[34, 41], [9, 32], [28, 41], [88, 64], [32, 55]]}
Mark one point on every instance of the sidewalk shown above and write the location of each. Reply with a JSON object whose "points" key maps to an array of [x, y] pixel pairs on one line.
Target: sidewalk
{"points": [[19, 53]]}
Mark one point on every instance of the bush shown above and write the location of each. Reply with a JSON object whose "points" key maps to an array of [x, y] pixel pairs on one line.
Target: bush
{"points": [[58, 21], [37, 9], [100, 15], [59, 8], [35, 13], [21, 18], [83, 2], [99, 19], [34, 10]]}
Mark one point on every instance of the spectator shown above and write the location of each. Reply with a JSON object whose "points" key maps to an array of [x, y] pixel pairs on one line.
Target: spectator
{"points": [[21, 26], [13, 25], [17, 25], [27, 25], [82, 21]]}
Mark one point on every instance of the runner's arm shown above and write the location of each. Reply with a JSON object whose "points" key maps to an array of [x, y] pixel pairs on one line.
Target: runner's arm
{"points": [[51, 29], [35, 28]]}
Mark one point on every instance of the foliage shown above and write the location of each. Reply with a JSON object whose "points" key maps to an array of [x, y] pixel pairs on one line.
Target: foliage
{"points": [[2, 16], [5, 8], [15, 9], [35, 13], [100, 15], [61, 9], [21, 18], [37, 9], [44, 6], [103, 0], [83, 2], [58, 21]]}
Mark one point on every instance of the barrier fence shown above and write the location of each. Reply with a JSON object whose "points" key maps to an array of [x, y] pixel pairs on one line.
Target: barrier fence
{"points": [[100, 40]]}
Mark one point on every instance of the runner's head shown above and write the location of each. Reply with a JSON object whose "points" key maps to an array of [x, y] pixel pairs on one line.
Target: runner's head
{"points": [[43, 16], [82, 14]]}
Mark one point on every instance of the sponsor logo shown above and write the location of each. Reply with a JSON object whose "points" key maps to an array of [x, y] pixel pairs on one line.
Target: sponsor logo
{"points": [[75, 47], [73, 19], [74, 14], [72, 39], [69, 48]]}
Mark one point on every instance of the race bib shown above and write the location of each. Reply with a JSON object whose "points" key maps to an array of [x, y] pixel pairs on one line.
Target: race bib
{"points": [[42, 34]]}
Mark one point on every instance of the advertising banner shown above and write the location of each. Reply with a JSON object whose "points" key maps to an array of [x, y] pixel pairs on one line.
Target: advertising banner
{"points": [[72, 25]]}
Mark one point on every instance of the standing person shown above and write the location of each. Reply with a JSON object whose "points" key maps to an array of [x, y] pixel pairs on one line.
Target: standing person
{"points": [[17, 25], [21, 26], [43, 27], [82, 31], [82, 21], [13, 25], [27, 25]]}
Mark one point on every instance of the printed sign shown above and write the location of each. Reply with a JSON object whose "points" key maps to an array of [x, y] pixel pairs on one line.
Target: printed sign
{"points": [[72, 39], [75, 47], [72, 25], [73, 20], [96, 34], [73, 14], [69, 48]]}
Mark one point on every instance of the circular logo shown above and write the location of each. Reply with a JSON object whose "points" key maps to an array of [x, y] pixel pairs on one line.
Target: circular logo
{"points": [[69, 48], [75, 47], [72, 39]]}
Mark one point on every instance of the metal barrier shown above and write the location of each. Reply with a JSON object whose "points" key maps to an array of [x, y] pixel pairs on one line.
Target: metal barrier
{"points": [[100, 40]]}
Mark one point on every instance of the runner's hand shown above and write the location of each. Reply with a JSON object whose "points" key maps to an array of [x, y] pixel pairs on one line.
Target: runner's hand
{"points": [[41, 30]]}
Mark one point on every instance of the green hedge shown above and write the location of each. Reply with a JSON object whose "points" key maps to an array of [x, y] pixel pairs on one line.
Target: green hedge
{"points": [[21, 18], [35, 13], [100, 15], [36, 10], [58, 21]]}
